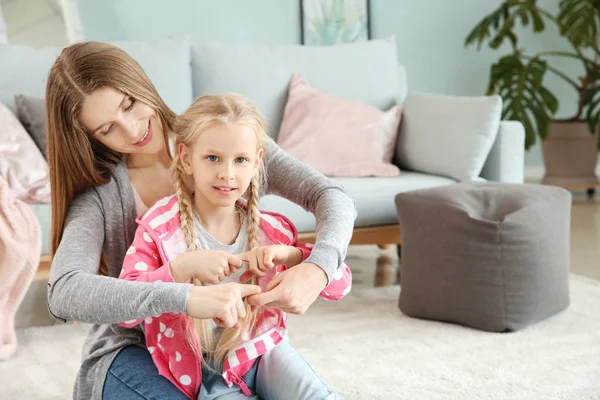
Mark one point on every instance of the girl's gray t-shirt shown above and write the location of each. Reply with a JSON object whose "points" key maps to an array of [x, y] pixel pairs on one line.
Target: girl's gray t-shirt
{"points": [[207, 242]]}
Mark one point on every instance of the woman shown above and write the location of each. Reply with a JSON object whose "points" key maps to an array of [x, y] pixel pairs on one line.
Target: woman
{"points": [[109, 158]]}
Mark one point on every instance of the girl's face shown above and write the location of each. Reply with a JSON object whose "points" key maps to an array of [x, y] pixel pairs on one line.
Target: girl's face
{"points": [[222, 161], [122, 123]]}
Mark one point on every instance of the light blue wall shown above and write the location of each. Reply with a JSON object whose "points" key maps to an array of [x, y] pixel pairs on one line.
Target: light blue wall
{"points": [[430, 35], [245, 21]]}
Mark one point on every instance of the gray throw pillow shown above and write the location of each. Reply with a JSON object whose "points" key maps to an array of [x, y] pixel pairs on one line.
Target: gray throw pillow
{"points": [[32, 114]]}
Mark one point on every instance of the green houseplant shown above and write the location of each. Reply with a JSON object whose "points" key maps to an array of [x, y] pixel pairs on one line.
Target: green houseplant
{"points": [[570, 145]]}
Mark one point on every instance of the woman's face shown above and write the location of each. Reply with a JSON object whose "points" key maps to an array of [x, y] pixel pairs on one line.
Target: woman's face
{"points": [[122, 123]]}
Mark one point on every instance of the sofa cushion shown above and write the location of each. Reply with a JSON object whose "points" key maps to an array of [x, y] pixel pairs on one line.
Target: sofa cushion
{"points": [[373, 196], [448, 135], [24, 70], [338, 137], [32, 114], [167, 63], [364, 71]]}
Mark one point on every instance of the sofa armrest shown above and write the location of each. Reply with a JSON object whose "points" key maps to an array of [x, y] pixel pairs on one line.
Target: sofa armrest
{"points": [[506, 161]]}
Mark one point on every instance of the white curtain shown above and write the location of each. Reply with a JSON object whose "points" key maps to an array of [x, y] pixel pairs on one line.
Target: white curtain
{"points": [[73, 25], [72, 20], [3, 37]]}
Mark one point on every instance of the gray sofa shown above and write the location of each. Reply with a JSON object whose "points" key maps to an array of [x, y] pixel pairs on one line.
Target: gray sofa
{"points": [[183, 69]]}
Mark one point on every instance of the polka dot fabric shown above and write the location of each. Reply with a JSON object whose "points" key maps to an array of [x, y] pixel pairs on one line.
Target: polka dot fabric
{"points": [[159, 240]]}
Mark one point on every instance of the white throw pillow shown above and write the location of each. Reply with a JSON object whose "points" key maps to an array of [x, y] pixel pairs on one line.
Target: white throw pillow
{"points": [[448, 135]]}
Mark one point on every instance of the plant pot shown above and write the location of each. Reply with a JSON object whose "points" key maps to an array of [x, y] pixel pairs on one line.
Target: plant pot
{"points": [[570, 155]]}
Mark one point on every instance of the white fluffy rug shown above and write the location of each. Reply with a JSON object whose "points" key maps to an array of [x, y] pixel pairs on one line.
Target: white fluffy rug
{"points": [[364, 348]]}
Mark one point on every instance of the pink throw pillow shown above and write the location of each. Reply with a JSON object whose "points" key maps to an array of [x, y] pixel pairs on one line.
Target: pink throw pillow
{"points": [[338, 137], [21, 163]]}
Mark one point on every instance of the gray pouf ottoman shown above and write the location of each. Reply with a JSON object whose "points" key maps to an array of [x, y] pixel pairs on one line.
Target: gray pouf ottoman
{"points": [[493, 256]]}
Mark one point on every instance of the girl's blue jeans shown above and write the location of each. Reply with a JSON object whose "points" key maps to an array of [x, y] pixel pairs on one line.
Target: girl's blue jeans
{"points": [[281, 373]]}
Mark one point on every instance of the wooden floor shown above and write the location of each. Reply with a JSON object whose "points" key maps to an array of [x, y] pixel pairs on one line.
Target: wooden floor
{"points": [[585, 236]]}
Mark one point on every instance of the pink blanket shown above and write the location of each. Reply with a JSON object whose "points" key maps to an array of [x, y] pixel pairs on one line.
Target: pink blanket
{"points": [[20, 248], [21, 163]]}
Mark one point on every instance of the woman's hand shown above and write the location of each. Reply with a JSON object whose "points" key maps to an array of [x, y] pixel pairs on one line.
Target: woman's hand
{"points": [[293, 290], [208, 266], [223, 303], [262, 259]]}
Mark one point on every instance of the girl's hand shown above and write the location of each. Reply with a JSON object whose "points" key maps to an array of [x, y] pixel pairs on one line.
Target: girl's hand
{"points": [[208, 266], [223, 303], [262, 259]]}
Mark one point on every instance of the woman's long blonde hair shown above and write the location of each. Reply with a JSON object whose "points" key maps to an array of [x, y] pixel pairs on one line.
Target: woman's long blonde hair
{"points": [[78, 161], [205, 111]]}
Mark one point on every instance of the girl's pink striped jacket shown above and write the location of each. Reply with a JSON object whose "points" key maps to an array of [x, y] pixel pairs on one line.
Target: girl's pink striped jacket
{"points": [[158, 240]]}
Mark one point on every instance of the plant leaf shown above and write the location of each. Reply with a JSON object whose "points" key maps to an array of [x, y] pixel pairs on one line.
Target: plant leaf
{"points": [[484, 29], [591, 102], [524, 97], [578, 21], [498, 26]]}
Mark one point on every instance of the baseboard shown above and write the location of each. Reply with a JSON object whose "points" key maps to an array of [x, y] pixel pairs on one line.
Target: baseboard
{"points": [[535, 174]]}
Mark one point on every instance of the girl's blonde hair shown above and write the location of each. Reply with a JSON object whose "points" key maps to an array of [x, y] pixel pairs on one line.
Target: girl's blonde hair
{"points": [[205, 111], [78, 161]]}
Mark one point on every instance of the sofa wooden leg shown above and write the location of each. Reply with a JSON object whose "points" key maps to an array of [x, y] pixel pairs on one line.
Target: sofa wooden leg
{"points": [[399, 269], [383, 271]]}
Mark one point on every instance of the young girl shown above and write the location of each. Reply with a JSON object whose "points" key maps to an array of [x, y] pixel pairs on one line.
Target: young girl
{"points": [[218, 175]]}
